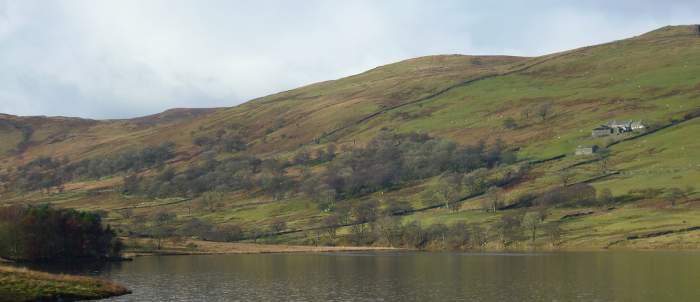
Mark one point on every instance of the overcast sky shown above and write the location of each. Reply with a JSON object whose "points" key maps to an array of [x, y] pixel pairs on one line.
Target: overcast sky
{"points": [[115, 59]]}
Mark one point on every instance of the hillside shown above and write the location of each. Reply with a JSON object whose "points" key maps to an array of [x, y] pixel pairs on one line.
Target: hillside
{"points": [[264, 169]]}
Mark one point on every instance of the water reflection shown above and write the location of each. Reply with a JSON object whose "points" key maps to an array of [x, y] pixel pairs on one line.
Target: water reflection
{"points": [[595, 276]]}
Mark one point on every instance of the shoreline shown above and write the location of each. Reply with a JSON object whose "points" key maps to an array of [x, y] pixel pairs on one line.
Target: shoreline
{"points": [[201, 247], [223, 248]]}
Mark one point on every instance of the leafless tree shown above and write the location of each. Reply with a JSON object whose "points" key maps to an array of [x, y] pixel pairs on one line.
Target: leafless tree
{"points": [[544, 110], [494, 199], [211, 201]]}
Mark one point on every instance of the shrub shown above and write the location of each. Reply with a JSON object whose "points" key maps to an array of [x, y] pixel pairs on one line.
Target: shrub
{"points": [[582, 194], [509, 123]]}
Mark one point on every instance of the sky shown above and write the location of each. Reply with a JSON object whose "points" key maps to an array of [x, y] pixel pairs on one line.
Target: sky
{"points": [[120, 59]]}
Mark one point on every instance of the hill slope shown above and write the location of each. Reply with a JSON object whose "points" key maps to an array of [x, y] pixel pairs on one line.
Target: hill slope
{"points": [[542, 107]]}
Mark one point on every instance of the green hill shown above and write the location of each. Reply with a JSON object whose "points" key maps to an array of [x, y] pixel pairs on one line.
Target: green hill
{"points": [[255, 170]]}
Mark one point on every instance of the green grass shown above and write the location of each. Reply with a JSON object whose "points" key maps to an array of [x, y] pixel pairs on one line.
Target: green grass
{"points": [[665, 159]]}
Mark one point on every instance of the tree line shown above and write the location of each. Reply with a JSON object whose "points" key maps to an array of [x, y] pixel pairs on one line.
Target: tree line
{"points": [[44, 233], [527, 226], [222, 140], [385, 163], [47, 173], [388, 161], [391, 159]]}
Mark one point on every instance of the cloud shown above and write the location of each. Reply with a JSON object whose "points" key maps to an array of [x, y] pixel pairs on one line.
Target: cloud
{"points": [[110, 59]]}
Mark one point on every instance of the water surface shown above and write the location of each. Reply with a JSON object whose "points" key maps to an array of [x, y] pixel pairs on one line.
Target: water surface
{"points": [[584, 276]]}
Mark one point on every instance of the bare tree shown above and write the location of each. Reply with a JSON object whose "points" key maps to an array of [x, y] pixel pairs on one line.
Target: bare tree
{"points": [[554, 231], [278, 225], [525, 113], [389, 229], [448, 189], [161, 226], [479, 237], [509, 227], [476, 181], [446, 193], [531, 222], [458, 235], [544, 111], [603, 156], [331, 223], [494, 199], [211, 201], [366, 211], [360, 234]]}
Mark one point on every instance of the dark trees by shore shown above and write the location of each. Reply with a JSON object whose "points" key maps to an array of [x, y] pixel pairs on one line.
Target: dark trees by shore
{"points": [[44, 233]]}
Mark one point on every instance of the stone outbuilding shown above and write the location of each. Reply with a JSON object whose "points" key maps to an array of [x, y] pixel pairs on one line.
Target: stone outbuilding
{"points": [[586, 149], [618, 127], [601, 131]]}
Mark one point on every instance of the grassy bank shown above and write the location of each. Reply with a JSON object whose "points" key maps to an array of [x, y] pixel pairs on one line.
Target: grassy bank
{"points": [[139, 247], [18, 284]]}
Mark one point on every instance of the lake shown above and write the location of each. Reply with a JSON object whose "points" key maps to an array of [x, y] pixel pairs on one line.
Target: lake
{"points": [[567, 276]]}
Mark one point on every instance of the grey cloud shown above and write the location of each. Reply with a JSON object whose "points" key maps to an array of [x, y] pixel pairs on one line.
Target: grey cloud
{"points": [[116, 59]]}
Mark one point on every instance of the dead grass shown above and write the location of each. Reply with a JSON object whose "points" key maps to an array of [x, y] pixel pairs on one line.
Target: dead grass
{"points": [[20, 284], [209, 247]]}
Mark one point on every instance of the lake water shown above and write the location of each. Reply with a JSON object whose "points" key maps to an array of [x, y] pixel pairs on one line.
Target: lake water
{"points": [[584, 276]]}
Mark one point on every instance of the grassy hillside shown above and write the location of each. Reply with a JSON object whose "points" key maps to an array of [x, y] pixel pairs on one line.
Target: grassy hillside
{"points": [[543, 107]]}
